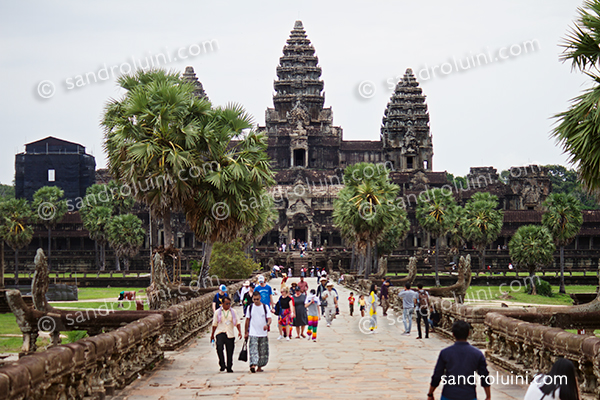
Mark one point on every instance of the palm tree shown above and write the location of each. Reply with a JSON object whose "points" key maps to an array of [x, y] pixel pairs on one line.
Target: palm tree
{"points": [[365, 209], [578, 127], [126, 236], [434, 213], [483, 222], [14, 229], [456, 234], [152, 138], [531, 247], [228, 194], [95, 221], [49, 210], [563, 219]]}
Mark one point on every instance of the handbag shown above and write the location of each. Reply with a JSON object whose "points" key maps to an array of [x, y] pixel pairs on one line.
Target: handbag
{"points": [[244, 353]]}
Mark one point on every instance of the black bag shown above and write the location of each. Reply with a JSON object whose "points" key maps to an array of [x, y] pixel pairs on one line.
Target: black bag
{"points": [[244, 353]]}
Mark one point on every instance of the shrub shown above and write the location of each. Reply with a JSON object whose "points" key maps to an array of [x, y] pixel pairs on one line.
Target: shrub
{"points": [[228, 261], [73, 336], [543, 288]]}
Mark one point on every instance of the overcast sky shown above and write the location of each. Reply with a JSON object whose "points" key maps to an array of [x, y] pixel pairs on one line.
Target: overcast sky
{"points": [[494, 112]]}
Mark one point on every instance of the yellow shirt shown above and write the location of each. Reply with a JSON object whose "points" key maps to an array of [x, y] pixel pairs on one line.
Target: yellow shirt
{"points": [[226, 324]]}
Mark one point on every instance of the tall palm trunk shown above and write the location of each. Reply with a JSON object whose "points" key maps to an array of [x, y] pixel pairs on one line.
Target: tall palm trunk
{"points": [[203, 274], [437, 252], [97, 256], [49, 247], [375, 260], [368, 262], [16, 267], [352, 260], [1, 264], [102, 256], [167, 228], [117, 262], [562, 270], [482, 260]]}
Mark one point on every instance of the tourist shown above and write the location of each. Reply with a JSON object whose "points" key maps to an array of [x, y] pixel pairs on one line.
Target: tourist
{"points": [[303, 285], [362, 304], [409, 300], [320, 290], [329, 297], [286, 316], [265, 291], [351, 300], [384, 294], [243, 291], [283, 282], [423, 310], [247, 300], [552, 386], [312, 304], [283, 247], [456, 364], [293, 288], [312, 272], [218, 299], [258, 321], [301, 319], [223, 322], [302, 272], [290, 272], [373, 307]]}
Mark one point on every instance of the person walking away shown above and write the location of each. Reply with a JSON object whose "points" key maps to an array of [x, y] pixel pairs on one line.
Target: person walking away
{"points": [[456, 364], [320, 290], [373, 307], [303, 285], [312, 304], [330, 299], [362, 305], [351, 300], [258, 322], [218, 299], [284, 280], [265, 291], [248, 298], [384, 294], [558, 384], [243, 291], [286, 318], [423, 310], [409, 300], [222, 326], [301, 319]]}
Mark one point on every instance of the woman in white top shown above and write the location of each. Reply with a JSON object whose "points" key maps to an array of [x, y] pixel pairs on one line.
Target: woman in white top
{"points": [[558, 384]]}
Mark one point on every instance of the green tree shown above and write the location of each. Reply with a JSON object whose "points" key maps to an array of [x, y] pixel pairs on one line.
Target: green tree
{"points": [[577, 128], [230, 262], [532, 247], [95, 221], [483, 222], [152, 138], [456, 234], [434, 213], [7, 192], [566, 180], [366, 208], [14, 229], [49, 208], [126, 236], [563, 219]]}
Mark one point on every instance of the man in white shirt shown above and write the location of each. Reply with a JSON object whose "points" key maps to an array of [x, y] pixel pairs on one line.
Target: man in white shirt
{"points": [[223, 322], [258, 321], [329, 296]]}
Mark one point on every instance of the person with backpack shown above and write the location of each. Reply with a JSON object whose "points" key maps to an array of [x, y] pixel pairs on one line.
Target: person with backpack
{"points": [[258, 322], [423, 306]]}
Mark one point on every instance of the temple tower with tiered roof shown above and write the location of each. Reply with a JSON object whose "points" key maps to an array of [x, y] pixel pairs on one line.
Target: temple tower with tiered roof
{"points": [[405, 127]]}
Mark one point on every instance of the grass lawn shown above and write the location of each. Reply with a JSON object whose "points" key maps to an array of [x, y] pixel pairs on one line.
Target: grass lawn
{"points": [[8, 325], [86, 293], [493, 293], [110, 305]]}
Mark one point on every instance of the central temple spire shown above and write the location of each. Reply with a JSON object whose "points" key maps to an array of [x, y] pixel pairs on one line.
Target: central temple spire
{"points": [[299, 75]]}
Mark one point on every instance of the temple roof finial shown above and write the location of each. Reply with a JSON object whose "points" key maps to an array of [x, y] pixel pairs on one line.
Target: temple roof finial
{"points": [[298, 25], [190, 76]]}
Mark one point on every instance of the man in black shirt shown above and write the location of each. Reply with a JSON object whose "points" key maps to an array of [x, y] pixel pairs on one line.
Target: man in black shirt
{"points": [[458, 366]]}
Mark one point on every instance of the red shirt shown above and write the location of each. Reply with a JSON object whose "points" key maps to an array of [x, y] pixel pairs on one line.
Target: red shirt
{"points": [[351, 299], [303, 286]]}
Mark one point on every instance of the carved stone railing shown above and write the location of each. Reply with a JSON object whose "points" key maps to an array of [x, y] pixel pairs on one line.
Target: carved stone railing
{"points": [[528, 348]]}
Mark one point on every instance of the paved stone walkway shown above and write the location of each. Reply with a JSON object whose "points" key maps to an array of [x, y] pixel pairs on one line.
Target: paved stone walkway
{"points": [[344, 364]]}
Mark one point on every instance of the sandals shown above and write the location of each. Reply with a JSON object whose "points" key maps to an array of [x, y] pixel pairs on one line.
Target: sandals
{"points": [[252, 369]]}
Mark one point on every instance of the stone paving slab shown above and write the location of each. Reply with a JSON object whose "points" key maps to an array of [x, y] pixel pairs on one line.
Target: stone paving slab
{"points": [[345, 363]]}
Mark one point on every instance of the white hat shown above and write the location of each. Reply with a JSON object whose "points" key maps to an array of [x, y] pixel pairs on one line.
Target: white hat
{"points": [[247, 283], [329, 284], [261, 278]]}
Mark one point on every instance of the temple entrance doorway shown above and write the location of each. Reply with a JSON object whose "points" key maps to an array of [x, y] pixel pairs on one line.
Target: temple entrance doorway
{"points": [[300, 234]]}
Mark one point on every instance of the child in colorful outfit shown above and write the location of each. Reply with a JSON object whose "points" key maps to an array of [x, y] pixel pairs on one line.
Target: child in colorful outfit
{"points": [[351, 300], [362, 304], [313, 309]]}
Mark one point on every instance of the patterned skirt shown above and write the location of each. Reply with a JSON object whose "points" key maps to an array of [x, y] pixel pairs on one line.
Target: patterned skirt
{"points": [[286, 317], [258, 348]]}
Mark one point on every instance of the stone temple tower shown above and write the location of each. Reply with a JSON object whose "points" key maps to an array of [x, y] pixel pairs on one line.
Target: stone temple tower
{"points": [[300, 131], [405, 127], [190, 76]]}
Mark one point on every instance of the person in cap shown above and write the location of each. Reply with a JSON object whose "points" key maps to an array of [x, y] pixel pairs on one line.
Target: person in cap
{"points": [[312, 304], [224, 320], [320, 289], [265, 291], [329, 297], [243, 291], [218, 299]]}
